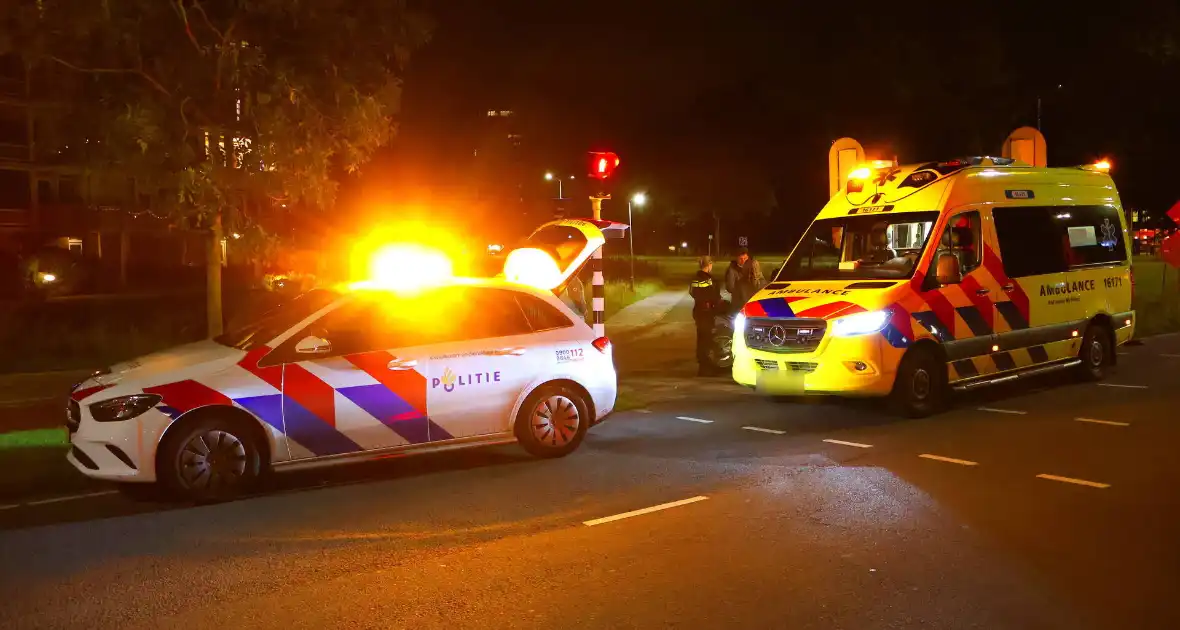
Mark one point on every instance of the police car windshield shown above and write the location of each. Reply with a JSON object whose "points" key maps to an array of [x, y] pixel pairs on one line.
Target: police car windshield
{"points": [[861, 247], [278, 320]]}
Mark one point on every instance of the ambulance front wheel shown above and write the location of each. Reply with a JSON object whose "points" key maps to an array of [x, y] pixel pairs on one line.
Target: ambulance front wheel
{"points": [[1096, 353], [553, 421], [920, 386]]}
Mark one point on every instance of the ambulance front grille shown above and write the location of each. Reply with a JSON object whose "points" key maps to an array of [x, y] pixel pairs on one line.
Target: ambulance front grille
{"points": [[786, 335]]}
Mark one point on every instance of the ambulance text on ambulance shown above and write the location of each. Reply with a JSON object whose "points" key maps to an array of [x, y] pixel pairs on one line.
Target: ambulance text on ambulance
{"points": [[1070, 290]]}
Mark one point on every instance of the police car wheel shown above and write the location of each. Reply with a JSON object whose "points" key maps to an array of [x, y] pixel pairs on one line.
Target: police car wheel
{"points": [[552, 421], [920, 387], [210, 460], [1095, 353]]}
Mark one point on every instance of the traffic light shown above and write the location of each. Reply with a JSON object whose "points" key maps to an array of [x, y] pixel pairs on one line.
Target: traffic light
{"points": [[603, 164]]}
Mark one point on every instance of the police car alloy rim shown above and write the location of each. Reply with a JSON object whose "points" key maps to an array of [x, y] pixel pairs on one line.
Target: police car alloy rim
{"points": [[555, 421], [212, 459]]}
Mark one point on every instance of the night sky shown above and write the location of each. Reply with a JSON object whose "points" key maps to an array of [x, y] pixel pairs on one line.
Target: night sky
{"points": [[730, 106]]}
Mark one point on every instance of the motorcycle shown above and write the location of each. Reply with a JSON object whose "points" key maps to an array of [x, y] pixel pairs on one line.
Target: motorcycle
{"points": [[720, 352]]}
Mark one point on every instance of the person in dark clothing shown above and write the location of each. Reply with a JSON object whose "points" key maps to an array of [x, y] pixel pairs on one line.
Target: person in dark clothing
{"points": [[743, 278], [706, 300]]}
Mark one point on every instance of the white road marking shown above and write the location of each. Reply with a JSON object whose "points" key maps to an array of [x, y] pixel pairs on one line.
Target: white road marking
{"points": [[647, 510], [1174, 356], [1110, 422], [643, 411], [702, 421], [9, 507], [856, 444], [1011, 411], [72, 497], [1080, 482], [1123, 386], [950, 460], [761, 430]]}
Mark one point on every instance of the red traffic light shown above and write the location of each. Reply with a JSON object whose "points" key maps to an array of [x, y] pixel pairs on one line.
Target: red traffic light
{"points": [[603, 164]]}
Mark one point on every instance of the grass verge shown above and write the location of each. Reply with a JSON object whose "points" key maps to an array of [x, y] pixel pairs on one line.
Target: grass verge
{"points": [[1157, 297]]}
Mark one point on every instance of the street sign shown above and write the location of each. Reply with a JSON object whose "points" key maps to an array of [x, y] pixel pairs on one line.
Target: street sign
{"points": [[743, 241], [844, 155], [1027, 145]]}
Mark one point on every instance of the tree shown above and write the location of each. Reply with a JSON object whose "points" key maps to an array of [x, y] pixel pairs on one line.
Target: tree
{"points": [[229, 107]]}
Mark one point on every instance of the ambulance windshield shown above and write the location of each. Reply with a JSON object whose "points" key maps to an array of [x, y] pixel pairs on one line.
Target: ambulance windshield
{"points": [[861, 247]]}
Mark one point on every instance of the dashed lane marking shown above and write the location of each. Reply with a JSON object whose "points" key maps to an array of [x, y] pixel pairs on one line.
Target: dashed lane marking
{"points": [[72, 497], [691, 419], [843, 443], [9, 507], [1173, 356], [646, 510], [1123, 386], [1015, 412], [1110, 422], [949, 460], [643, 411], [761, 430], [1079, 482]]}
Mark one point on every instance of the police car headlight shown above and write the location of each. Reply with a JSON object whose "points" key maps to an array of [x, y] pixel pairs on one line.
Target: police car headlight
{"points": [[860, 324], [123, 407]]}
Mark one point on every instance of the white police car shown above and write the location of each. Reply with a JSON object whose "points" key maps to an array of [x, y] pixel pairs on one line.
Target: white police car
{"points": [[336, 376]]}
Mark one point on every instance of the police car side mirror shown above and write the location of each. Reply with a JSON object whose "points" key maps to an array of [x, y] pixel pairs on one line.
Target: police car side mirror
{"points": [[313, 345], [948, 271]]}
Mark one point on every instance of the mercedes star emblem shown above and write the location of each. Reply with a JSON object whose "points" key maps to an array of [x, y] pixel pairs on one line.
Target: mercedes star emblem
{"points": [[777, 335]]}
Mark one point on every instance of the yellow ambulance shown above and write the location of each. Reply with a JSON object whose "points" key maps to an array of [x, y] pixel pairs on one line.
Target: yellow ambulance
{"points": [[916, 280]]}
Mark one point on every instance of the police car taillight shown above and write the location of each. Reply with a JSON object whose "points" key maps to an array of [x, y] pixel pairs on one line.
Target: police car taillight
{"points": [[602, 344]]}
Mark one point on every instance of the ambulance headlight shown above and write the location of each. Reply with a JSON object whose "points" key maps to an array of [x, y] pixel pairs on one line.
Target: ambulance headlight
{"points": [[860, 324], [739, 323], [123, 407]]}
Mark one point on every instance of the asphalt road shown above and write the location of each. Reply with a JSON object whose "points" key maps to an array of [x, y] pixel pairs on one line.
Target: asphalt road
{"points": [[814, 514]]}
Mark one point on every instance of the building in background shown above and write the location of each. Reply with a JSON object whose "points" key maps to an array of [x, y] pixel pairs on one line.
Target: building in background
{"points": [[48, 200]]}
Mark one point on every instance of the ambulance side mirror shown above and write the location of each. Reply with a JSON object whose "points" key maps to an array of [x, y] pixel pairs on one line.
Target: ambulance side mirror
{"points": [[947, 270]]}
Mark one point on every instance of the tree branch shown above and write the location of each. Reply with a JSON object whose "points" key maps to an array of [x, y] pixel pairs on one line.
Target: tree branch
{"points": [[136, 71], [201, 9], [188, 29]]}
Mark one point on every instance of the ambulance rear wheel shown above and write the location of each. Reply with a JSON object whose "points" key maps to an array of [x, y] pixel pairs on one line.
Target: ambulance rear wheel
{"points": [[920, 386], [1096, 353], [552, 421]]}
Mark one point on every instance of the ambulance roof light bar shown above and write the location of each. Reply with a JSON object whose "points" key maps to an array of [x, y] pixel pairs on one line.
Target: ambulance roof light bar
{"points": [[1101, 166]]}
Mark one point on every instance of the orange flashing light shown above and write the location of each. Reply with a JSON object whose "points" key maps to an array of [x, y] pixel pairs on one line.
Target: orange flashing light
{"points": [[863, 172], [533, 267]]}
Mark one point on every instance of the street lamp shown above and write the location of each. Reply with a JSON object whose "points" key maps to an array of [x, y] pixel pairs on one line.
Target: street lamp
{"points": [[639, 199], [549, 176]]}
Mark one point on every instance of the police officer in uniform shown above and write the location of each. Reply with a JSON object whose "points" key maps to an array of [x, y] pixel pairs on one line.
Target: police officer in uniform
{"points": [[706, 301]]}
